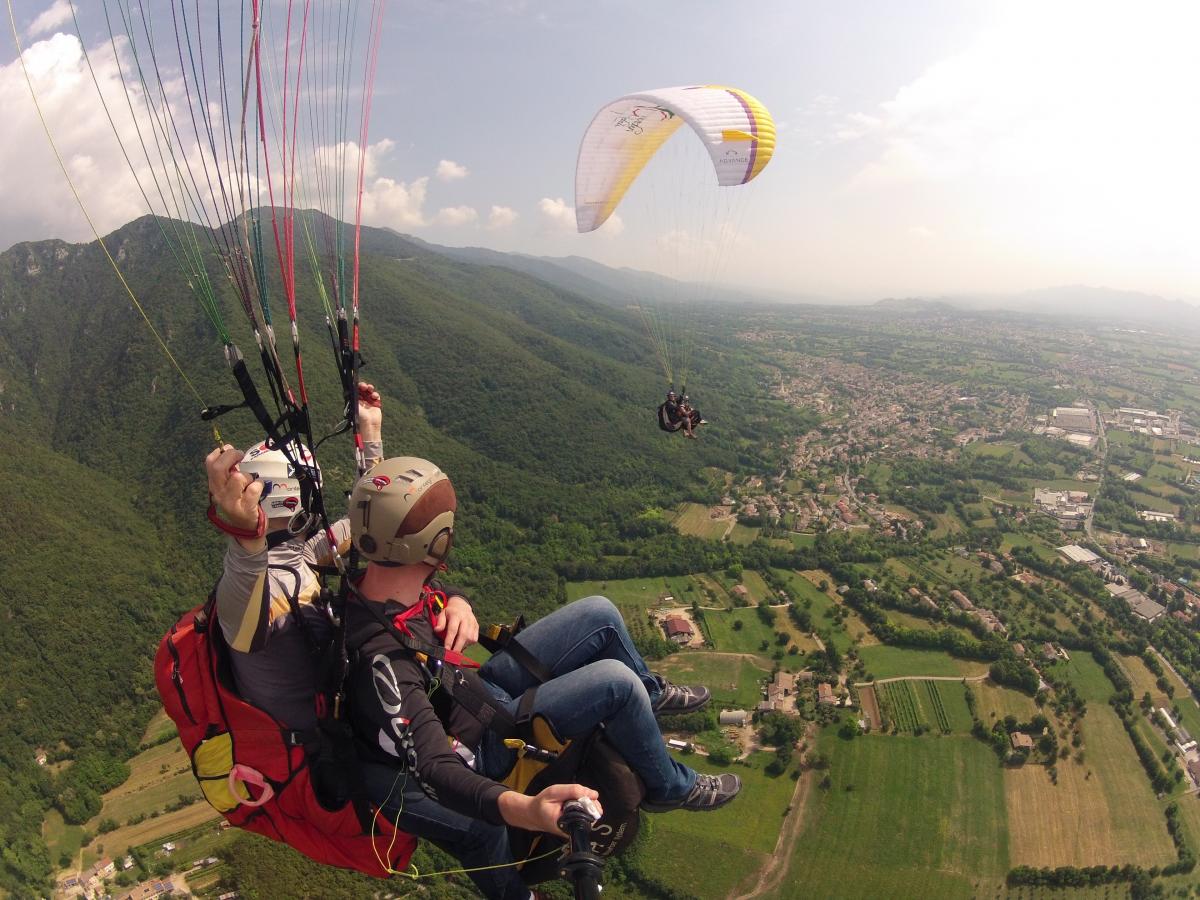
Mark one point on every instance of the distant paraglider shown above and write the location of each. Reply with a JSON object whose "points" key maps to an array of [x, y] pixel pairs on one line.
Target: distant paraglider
{"points": [[694, 225]]}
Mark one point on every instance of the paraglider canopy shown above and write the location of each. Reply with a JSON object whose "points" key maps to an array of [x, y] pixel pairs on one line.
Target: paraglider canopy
{"points": [[736, 129]]}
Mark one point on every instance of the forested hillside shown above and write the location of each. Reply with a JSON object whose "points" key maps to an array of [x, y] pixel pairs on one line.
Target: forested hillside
{"points": [[538, 402]]}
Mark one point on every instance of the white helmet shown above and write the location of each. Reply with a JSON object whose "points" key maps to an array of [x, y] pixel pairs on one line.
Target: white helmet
{"points": [[281, 485]]}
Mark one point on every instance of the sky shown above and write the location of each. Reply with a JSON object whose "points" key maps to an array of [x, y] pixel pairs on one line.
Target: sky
{"points": [[924, 148]]}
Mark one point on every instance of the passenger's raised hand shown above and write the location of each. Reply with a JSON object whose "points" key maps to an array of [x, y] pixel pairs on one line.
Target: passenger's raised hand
{"points": [[370, 412], [235, 494]]}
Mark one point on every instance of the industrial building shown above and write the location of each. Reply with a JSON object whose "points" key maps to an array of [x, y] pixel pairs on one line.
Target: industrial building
{"points": [[1074, 419], [1076, 554]]}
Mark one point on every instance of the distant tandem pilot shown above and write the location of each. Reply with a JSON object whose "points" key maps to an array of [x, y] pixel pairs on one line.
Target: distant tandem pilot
{"points": [[677, 414]]}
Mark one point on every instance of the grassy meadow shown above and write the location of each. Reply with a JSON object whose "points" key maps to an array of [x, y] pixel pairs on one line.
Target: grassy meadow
{"points": [[712, 854], [903, 817], [884, 661]]}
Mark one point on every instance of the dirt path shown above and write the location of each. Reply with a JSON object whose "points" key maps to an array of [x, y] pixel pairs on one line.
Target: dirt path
{"points": [[870, 706], [859, 684], [777, 867]]}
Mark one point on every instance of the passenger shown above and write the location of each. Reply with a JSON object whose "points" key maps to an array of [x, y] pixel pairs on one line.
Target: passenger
{"points": [[432, 764]]}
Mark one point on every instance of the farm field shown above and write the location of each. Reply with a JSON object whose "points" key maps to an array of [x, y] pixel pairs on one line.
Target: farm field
{"points": [[694, 518], [919, 818], [728, 841], [743, 534], [883, 661], [994, 703], [1126, 823], [732, 678], [939, 706], [919, 623], [854, 626], [158, 776], [801, 639]]}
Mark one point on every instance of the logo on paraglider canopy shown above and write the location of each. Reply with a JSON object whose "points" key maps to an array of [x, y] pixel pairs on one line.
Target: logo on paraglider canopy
{"points": [[733, 157], [380, 482], [633, 120]]}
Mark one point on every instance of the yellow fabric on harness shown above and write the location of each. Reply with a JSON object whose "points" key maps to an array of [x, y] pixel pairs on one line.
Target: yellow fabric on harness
{"points": [[212, 761], [526, 768]]}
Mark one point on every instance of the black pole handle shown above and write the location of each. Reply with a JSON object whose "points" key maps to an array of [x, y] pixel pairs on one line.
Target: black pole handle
{"points": [[581, 866]]}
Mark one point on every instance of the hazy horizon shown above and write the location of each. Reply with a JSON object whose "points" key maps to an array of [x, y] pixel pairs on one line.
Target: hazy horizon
{"points": [[938, 149]]}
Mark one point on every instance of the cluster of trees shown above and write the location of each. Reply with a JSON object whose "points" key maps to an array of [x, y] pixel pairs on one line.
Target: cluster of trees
{"points": [[1014, 672], [780, 731]]}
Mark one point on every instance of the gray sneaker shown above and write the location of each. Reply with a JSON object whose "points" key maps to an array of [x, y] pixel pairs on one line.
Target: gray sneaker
{"points": [[709, 792], [678, 699]]}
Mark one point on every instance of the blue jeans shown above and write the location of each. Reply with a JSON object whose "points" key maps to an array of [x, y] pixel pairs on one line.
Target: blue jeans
{"points": [[599, 677]]}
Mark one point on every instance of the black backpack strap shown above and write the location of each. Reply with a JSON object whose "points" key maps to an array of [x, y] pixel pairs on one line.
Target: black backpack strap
{"points": [[503, 639]]}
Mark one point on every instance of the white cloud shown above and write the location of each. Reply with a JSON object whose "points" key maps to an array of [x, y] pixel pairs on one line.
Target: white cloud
{"points": [[1057, 136], [395, 204], [558, 213], [560, 216], [501, 217], [920, 232], [455, 216], [55, 16], [612, 227], [37, 200], [448, 170]]}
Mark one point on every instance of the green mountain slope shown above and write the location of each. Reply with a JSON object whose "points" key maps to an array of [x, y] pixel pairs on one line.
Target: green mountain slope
{"points": [[539, 403]]}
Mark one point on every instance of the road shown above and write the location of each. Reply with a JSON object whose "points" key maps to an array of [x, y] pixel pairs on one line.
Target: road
{"points": [[1087, 523]]}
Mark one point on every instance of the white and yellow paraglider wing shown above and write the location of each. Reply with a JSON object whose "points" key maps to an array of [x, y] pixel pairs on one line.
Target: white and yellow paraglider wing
{"points": [[736, 129]]}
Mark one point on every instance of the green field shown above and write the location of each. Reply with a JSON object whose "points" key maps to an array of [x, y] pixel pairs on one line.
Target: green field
{"points": [[995, 703], [694, 518], [747, 639], [743, 534], [633, 596], [903, 817], [711, 854], [1039, 546], [732, 679], [802, 540], [1010, 452], [908, 620], [820, 606], [883, 661], [756, 588]]}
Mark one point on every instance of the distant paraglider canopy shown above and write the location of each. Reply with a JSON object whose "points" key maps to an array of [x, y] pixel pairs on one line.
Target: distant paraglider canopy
{"points": [[689, 222]]}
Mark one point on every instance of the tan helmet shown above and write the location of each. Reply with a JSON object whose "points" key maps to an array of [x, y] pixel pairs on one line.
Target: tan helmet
{"points": [[402, 512]]}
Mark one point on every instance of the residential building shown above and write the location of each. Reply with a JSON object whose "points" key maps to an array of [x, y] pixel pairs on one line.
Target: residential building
{"points": [[679, 630]]}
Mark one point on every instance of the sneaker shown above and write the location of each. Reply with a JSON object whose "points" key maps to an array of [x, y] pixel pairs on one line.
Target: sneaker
{"points": [[679, 700], [709, 792], [702, 422]]}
